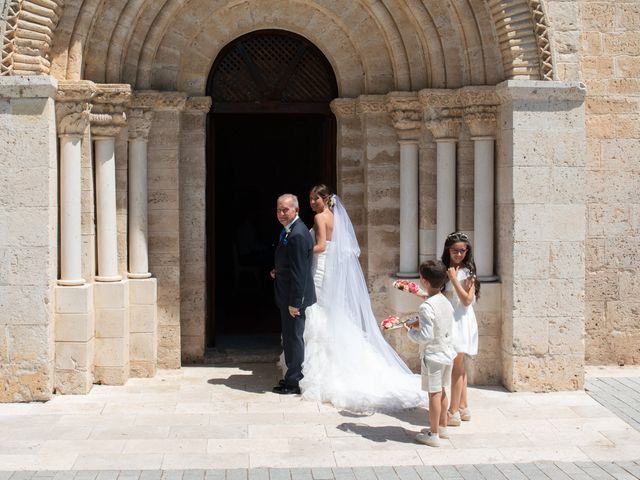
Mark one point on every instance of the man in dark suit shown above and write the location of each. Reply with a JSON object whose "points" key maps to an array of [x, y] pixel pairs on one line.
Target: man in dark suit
{"points": [[294, 289]]}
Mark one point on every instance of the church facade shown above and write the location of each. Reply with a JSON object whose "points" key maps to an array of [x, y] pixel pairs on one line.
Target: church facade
{"points": [[138, 136]]}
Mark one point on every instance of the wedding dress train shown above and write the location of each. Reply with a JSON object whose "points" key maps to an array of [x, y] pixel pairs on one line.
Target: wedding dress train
{"points": [[347, 362]]}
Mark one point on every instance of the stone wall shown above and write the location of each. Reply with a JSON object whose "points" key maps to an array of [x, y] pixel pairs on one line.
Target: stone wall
{"points": [[610, 67], [28, 236]]}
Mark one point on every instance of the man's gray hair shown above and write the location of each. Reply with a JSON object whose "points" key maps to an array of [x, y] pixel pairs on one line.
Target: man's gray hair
{"points": [[291, 197]]}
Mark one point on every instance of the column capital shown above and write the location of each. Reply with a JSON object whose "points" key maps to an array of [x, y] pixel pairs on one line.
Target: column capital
{"points": [[435, 98], [370, 104], [170, 101], [108, 113], [343, 107], [143, 99], [481, 120], [73, 106], [198, 105], [406, 114], [139, 122], [446, 124]]}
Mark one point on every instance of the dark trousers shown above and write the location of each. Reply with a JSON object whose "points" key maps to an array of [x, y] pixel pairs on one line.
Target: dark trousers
{"points": [[293, 345]]}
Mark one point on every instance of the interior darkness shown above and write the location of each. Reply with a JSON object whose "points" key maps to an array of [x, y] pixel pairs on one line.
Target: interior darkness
{"points": [[253, 158]]}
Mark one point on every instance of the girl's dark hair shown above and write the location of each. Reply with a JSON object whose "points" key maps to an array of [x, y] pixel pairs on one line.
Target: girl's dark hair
{"points": [[467, 261]]}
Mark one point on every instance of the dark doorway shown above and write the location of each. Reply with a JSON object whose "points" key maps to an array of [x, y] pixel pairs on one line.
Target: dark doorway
{"points": [[270, 132]]}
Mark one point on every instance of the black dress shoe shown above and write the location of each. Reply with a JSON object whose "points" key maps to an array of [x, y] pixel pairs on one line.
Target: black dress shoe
{"points": [[286, 390], [281, 383]]}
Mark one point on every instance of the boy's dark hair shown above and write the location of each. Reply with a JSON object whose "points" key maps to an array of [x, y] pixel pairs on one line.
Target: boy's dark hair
{"points": [[435, 272]]}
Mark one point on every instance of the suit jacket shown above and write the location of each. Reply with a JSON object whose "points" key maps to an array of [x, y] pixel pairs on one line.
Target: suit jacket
{"points": [[293, 263]]}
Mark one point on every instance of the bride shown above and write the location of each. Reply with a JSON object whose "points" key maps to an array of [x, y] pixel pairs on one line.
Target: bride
{"points": [[347, 362]]}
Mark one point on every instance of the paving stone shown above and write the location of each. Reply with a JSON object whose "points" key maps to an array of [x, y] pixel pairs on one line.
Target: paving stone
{"points": [[594, 471], [511, 471], [572, 470], [616, 471], [407, 473], [490, 471], [104, 475], [23, 475], [448, 471], [5, 475], [469, 472], [128, 475], [234, 474], [195, 474], [301, 474], [217, 474], [343, 473], [364, 473], [150, 474], [552, 471], [86, 475], [172, 475], [279, 474], [258, 474], [385, 473], [427, 472], [43, 474], [632, 467], [322, 473]]}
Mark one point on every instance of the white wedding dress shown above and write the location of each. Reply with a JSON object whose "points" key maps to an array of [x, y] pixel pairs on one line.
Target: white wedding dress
{"points": [[347, 362]]}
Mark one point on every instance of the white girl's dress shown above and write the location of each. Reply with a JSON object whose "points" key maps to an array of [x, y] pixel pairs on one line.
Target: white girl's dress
{"points": [[465, 325], [347, 362]]}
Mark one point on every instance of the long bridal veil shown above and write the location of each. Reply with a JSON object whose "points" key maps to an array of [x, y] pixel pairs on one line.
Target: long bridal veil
{"points": [[362, 371]]}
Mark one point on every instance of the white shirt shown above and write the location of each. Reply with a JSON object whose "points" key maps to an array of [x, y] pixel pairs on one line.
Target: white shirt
{"points": [[436, 324]]}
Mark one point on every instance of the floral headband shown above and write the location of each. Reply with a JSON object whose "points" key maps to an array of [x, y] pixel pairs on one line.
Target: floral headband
{"points": [[458, 236]]}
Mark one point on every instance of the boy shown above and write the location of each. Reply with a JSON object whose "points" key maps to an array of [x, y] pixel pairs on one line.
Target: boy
{"points": [[433, 330]]}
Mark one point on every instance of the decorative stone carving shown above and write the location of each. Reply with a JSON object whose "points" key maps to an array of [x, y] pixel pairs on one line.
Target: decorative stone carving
{"points": [[144, 99], [28, 36], [108, 113], [370, 104], [445, 124], [72, 106], [139, 123], [406, 114], [343, 107], [170, 101], [198, 105], [522, 35], [481, 120]]}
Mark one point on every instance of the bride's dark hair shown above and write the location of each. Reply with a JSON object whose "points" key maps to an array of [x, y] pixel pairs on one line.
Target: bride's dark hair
{"points": [[324, 193]]}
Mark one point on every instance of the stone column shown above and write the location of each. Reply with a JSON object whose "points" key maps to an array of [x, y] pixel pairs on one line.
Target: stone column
{"points": [[445, 129], [164, 220], [28, 236], [540, 198], [481, 120], [74, 326], [406, 115], [111, 292], [193, 235], [143, 296]]}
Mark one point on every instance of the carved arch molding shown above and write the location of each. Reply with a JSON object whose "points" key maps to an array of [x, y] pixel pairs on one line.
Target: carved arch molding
{"points": [[27, 28]]}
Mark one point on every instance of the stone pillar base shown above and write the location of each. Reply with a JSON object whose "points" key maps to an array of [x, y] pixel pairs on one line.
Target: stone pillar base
{"points": [[112, 332], [74, 339], [143, 346], [486, 367]]}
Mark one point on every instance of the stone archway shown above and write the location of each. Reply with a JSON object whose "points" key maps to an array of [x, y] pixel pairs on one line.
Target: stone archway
{"points": [[270, 130]]}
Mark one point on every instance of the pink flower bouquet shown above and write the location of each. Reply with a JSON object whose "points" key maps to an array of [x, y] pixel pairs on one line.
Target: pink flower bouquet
{"points": [[410, 287], [391, 323]]}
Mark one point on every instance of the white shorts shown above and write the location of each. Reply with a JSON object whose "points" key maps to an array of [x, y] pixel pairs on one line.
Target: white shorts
{"points": [[435, 376]]}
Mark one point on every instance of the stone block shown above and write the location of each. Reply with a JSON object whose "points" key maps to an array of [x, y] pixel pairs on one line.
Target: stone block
{"points": [[73, 382], [192, 349], [530, 335], [143, 318], [566, 260], [74, 327], [111, 352], [142, 369], [544, 374], [112, 322], [111, 294], [566, 335], [111, 375], [550, 223], [74, 356], [143, 347], [483, 371]]}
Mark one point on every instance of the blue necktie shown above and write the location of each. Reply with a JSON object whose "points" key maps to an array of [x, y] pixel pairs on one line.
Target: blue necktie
{"points": [[282, 235]]}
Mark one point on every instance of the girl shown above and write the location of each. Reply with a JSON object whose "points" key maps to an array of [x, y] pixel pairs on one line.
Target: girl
{"points": [[461, 289]]}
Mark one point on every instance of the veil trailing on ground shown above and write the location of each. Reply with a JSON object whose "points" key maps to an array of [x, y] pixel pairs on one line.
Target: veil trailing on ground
{"points": [[361, 371]]}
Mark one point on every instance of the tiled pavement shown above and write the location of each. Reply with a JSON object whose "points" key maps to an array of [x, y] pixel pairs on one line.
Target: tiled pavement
{"points": [[501, 471], [181, 424], [621, 395]]}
